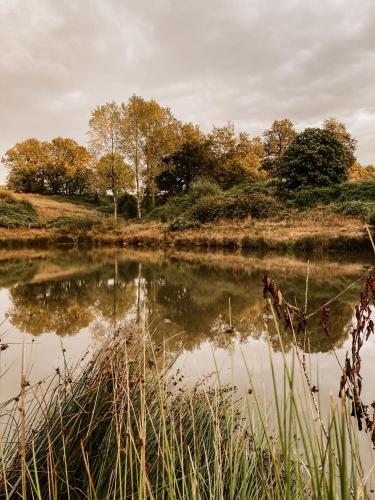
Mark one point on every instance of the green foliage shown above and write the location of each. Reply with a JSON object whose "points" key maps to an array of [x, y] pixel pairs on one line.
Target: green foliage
{"points": [[82, 223], [314, 196], [211, 208], [363, 190], [17, 213], [315, 158], [206, 202], [204, 187], [183, 224], [60, 166], [127, 206], [371, 219], [350, 198], [356, 208], [276, 141]]}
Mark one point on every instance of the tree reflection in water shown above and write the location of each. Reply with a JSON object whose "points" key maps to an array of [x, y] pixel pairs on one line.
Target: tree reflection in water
{"points": [[175, 295]]}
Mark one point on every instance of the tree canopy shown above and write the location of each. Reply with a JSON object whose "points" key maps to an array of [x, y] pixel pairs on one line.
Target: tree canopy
{"points": [[142, 154], [58, 167], [315, 158]]}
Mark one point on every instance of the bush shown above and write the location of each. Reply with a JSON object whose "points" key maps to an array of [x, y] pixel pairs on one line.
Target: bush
{"points": [[312, 197], [83, 223], [165, 213], [269, 187], [127, 206], [210, 208], [183, 224], [204, 187], [16, 213], [364, 191], [356, 208]]}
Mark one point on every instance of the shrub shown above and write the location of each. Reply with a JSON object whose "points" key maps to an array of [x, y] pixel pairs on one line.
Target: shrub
{"points": [[16, 213], [82, 223], [364, 191], [203, 187], [356, 208], [127, 206], [313, 196], [210, 208], [183, 224]]}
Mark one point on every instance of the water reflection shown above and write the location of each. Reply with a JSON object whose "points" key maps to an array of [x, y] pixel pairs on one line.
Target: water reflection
{"points": [[65, 293]]}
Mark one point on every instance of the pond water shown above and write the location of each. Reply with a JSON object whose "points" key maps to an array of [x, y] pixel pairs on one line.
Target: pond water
{"points": [[210, 307]]}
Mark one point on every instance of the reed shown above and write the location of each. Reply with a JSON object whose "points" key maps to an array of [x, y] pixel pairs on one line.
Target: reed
{"points": [[127, 426]]}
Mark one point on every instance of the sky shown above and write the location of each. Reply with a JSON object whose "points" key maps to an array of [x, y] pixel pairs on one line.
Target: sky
{"points": [[210, 61]]}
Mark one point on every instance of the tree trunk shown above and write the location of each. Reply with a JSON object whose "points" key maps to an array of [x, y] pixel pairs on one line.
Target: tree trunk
{"points": [[115, 206], [138, 194]]}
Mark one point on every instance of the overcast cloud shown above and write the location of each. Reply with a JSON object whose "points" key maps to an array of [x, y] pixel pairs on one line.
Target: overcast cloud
{"points": [[210, 61]]}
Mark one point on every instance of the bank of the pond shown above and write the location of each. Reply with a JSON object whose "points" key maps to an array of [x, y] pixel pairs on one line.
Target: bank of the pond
{"points": [[314, 233]]}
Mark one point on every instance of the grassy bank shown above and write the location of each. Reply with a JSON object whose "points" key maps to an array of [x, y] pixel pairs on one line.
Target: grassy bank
{"points": [[123, 427], [36, 221], [313, 233]]}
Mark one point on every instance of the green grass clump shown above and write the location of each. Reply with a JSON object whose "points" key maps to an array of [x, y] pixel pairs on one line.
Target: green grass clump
{"points": [[357, 208], [16, 213], [126, 427], [80, 223]]}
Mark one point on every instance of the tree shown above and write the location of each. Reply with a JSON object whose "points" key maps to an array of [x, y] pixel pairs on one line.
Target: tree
{"points": [[70, 167], [106, 138], [183, 167], [235, 158], [315, 158], [59, 166], [150, 132], [27, 162], [276, 141], [161, 129], [114, 174], [348, 142], [359, 173]]}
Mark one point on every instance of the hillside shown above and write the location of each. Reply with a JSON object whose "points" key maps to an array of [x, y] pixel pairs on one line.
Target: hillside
{"points": [[50, 207]]}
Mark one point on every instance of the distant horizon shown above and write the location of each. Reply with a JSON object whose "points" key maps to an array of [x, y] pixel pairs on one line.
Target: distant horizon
{"points": [[246, 62]]}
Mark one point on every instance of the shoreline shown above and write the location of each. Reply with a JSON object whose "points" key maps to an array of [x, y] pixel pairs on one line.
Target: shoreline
{"points": [[273, 236]]}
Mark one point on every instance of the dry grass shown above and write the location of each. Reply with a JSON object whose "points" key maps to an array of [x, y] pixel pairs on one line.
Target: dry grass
{"points": [[49, 208]]}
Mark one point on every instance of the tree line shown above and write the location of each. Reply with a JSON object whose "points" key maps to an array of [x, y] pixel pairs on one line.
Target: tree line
{"points": [[141, 148]]}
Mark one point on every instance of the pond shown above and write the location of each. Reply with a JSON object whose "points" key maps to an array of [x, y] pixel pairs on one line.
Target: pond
{"points": [[210, 307]]}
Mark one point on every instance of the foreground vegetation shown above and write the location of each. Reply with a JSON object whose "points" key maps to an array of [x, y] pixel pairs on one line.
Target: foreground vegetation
{"points": [[125, 426]]}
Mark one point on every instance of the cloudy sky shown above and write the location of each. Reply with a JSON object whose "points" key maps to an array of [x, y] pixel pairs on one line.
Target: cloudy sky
{"points": [[249, 61]]}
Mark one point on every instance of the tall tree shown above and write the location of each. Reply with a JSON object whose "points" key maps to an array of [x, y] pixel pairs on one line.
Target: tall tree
{"points": [[347, 140], [359, 173], [315, 158], [182, 168], [106, 137], [235, 158], [114, 174], [27, 162], [276, 141], [150, 132], [70, 167]]}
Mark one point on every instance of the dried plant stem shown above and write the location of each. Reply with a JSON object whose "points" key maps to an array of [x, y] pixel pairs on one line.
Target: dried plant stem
{"points": [[370, 236]]}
